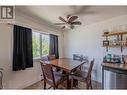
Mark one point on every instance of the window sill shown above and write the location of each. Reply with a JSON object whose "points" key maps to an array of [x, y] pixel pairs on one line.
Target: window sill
{"points": [[37, 59]]}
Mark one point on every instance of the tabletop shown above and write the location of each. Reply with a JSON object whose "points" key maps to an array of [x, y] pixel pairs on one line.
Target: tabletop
{"points": [[66, 64]]}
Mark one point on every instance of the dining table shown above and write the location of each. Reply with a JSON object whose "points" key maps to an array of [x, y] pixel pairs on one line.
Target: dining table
{"points": [[68, 65]]}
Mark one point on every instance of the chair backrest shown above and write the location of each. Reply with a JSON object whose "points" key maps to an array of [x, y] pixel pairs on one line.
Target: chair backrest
{"points": [[77, 57], [44, 58], [51, 57], [47, 71], [90, 68]]}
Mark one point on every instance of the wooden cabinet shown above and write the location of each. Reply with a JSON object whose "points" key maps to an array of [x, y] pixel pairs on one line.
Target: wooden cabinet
{"points": [[118, 42]]}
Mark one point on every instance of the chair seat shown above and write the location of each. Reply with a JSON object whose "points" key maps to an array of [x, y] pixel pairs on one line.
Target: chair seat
{"points": [[59, 78], [79, 75]]}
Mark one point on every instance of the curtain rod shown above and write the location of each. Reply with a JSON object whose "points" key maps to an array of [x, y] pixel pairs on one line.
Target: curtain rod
{"points": [[34, 29]]}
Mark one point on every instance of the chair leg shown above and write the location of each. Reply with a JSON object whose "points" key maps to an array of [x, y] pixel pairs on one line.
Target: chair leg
{"points": [[87, 84], [44, 84], [71, 83], [75, 82], [68, 83], [55, 87], [91, 84]]}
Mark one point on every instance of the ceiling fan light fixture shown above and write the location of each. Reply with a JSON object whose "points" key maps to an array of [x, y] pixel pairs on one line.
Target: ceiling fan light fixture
{"points": [[69, 22], [67, 26]]}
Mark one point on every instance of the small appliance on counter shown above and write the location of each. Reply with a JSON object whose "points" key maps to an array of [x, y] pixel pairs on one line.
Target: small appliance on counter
{"points": [[112, 58]]}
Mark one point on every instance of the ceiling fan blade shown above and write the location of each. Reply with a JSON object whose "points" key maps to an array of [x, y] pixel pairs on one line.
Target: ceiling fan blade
{"points": [[72, 18], [76, 23], [62, 19], [63, 27], [59, 23], [68, 16]]}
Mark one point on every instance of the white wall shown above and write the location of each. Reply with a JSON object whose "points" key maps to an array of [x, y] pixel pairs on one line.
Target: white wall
{"points": [[87, 40], [20, 79]]}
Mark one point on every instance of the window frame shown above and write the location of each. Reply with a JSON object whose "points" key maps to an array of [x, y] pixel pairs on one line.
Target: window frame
{"points": [[40, 39]]}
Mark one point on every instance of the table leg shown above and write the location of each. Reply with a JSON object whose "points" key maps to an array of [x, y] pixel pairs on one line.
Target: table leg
{"points": [[75, 83], [68, 83], [102, 77]]}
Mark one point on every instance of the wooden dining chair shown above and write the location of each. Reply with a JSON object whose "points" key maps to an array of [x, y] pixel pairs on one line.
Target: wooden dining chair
{"points": [[77, 57], [81, 58], [83, 76], [51, 57], [54, 79], [44, 58]]}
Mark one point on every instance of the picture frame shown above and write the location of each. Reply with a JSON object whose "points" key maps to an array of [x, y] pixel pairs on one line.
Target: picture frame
{"points": [[105, 43]]}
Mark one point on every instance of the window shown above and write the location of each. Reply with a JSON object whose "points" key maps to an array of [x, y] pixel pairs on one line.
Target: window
{"points": [[40, 45], [45, 44], [36, 44]]}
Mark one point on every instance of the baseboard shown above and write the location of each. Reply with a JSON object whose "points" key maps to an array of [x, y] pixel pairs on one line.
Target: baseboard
{"points": [[28, 84]]}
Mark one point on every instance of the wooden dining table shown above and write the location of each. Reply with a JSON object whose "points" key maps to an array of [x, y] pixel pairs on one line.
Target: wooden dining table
{"points": [[68, 65]]}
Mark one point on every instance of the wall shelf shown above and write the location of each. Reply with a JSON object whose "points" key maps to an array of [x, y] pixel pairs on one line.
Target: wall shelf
{"points": [[116, 46], [119, 37], [114, 33]]}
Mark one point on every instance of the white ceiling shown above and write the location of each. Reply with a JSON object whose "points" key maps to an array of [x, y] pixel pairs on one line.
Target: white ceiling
{"points": [[87, 14]]}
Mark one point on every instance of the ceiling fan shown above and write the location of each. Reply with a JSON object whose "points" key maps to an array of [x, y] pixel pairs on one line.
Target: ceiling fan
{"points": [[70, 21]]}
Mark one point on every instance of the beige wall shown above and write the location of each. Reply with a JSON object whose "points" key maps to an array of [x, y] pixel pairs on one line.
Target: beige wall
{"points": [[87, 40], [21, 79]]}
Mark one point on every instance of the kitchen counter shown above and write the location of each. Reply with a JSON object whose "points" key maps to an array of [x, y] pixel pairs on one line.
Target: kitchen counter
{"points": [[116, 68]]}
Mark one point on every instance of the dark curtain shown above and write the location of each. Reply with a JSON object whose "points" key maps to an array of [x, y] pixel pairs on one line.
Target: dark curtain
{"points": [[22, 48], [54, 45]]}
